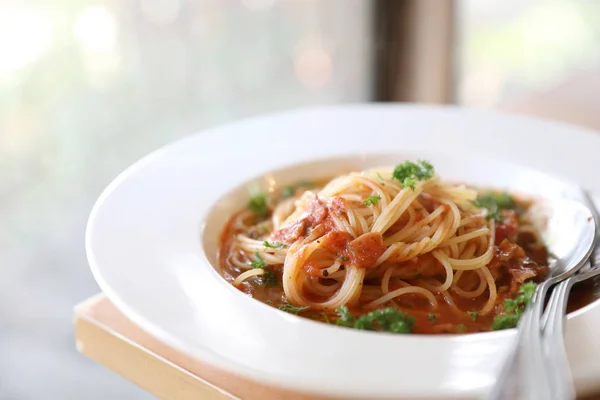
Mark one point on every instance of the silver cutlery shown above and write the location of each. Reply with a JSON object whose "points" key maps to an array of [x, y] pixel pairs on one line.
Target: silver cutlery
{"points": [[570, 236], [557, 364]]}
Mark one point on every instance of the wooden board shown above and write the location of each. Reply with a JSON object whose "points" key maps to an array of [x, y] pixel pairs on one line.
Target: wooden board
{"points": [[107, 337]]}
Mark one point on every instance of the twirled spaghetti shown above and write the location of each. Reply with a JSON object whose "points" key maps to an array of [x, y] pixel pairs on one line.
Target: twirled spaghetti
{"points": [[381, 238]]}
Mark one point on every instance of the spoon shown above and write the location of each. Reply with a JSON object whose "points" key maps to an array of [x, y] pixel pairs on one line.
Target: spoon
{"points": [[553, 337], [568, 230]]}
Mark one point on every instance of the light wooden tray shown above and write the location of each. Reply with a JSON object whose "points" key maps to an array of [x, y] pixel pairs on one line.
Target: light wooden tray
{"points": [[107, 337]]}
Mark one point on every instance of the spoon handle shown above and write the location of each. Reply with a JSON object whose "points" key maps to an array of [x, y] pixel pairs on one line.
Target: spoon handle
{"points": [[522, 375], [535, 383], [557, 364], [553, 335]]}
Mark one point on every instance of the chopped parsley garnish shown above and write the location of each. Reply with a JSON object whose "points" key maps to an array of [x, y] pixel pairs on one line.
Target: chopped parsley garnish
{"points": [[386, 320], [274, 245], [432, 317], [380, 177], [345, 317], [258, 262], [473, 314], [495, 215], [494, 202], [258, 205], [502, 199], [371, 200], [461, 328], [288, 192], [343, 258], [514, 308], [268, 278], [409, 173], [292, 309]]}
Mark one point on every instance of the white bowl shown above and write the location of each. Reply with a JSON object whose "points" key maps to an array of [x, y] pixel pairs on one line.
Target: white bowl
{"points": [[152, 240]]}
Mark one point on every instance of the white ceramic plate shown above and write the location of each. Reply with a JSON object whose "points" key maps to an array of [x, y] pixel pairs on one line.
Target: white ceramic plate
{"points": [[152, 242]]}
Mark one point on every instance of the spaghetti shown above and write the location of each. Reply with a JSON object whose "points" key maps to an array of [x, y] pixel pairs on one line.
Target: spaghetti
{"points": [[444, 255]]}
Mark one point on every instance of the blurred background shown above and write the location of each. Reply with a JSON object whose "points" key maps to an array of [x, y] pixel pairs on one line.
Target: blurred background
{"points": [[88, 87]]}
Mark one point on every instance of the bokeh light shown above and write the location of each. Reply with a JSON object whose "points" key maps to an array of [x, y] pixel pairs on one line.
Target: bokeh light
{"points": [[313, 67], [95, 29], [24, 37]]}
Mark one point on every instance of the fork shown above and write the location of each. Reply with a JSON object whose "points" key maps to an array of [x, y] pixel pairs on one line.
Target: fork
{"points": [[553, 344], [527, 355]]}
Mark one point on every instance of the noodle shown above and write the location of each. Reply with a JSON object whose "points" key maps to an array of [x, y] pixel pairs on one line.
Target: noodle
{"points": [[367, 240]]}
